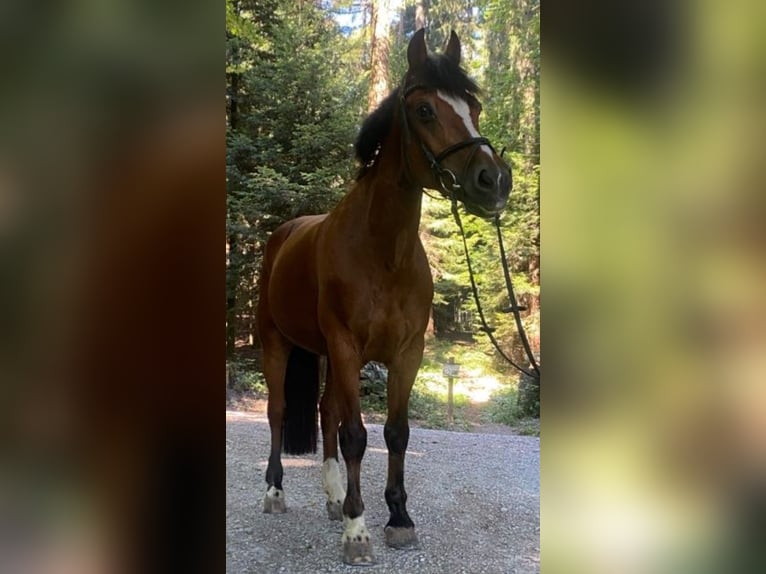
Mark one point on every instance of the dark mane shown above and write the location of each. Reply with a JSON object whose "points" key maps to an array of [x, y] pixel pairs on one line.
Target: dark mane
{"points": [[438, 73], [374, 131]]}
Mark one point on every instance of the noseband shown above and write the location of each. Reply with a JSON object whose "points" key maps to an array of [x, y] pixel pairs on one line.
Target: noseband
{"points": [[450, 188]]}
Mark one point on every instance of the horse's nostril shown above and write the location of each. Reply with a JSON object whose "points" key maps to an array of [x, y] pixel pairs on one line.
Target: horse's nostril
{"points": [[485, 180]]}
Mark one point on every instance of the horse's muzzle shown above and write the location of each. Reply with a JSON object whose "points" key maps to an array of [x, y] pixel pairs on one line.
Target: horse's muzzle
{"points": [[486, 193]]}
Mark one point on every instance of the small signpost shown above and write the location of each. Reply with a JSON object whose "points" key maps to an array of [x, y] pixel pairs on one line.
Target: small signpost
{"points": [[450, 369]]}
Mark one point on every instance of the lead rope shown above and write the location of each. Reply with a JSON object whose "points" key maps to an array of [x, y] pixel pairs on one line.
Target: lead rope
{"points": [[450, 193], [512, 297], [484, 326]]}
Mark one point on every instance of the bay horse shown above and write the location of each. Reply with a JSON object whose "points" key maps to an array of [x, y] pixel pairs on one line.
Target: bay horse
{"points": [[355, 286]]}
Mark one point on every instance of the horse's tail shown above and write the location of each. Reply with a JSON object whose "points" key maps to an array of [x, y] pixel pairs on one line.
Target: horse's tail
{"points": [[299, 433]]}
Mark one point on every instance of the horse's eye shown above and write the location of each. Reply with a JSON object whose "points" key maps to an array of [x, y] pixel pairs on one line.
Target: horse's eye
{"points": [[425, 112]]}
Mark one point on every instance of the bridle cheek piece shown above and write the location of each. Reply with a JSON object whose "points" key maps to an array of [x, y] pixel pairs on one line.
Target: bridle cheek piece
{"points": [[450, 188], [453, 186]]}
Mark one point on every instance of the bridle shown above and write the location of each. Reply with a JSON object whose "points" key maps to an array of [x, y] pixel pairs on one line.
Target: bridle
{"points": [[451, 189]]}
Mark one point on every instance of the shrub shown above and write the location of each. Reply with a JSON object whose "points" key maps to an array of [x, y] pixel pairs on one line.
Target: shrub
{"points": [[529, 396], [244, 378], [503, 406]]}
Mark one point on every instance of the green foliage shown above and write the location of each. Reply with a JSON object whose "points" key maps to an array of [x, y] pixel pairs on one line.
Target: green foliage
{"points": [[512, 119], [470, 356], [528, 427], [512, 45], [296, 94], [428, 401], [429, 406], [501, 47], [517, 408], [503, 406], [243, 377], [529, 396], [293, 104]]}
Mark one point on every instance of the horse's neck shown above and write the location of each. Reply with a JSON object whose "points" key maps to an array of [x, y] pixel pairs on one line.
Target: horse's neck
{"points": [[388, 207], [385, 216], [394, 219]]}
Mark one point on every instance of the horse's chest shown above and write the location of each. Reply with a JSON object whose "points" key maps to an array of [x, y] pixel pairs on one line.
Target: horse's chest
{"points": [[391, 321], [385, 314], [394, 299]]}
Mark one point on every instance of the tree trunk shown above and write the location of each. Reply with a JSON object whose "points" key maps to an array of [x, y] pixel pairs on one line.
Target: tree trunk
{"points": [[233, 79], [379, 50], [525, 63], [231, 303], [430, 333], [420, 14], [233, 96], [252, 302], [528, 94]]}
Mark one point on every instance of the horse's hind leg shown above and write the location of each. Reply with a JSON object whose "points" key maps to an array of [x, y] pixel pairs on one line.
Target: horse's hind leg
{"points": [[400, 530], [331, 478], [276, 351]]}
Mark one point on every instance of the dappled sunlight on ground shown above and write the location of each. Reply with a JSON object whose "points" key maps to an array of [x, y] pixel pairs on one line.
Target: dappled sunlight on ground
{"points": [[484, 402], [247, 410], [291, 461], [477, 388], [385, 451]]}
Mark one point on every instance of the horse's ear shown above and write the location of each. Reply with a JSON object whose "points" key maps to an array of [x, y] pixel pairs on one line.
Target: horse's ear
{"points": [[452, 51], [417, 51]]}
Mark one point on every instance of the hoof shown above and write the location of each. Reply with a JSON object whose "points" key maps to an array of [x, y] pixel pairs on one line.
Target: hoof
{"points": [[274, 502], [356, 553], [274, 505], [334, 510], [397, 537]]}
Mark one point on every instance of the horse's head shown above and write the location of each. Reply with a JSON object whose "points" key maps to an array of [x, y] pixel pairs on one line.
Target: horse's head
{"points": [[440, 117]]}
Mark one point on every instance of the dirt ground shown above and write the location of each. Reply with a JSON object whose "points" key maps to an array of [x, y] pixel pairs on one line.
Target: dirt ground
{"points": [[474, 498]]}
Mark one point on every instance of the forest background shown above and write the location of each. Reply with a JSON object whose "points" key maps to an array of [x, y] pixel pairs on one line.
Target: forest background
{"points": [[300, 78]]}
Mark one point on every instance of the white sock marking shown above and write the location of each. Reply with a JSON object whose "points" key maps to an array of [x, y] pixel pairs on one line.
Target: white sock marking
{"points": [[355, 530], [274, 492], [332, 482], [461, 108]]}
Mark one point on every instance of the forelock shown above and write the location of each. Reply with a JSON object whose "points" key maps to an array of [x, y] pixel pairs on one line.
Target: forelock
{"points": [[441, 73]]}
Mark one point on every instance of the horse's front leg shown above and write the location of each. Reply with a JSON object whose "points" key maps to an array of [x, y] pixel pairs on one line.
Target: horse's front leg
{"points": [[400, 530], [346, 363]]}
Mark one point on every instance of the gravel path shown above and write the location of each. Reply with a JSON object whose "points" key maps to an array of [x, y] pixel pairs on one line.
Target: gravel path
{"points": [[474, 499]]}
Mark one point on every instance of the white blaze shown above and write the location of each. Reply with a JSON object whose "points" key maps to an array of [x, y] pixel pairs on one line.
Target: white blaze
{"points": [[460, 107]]}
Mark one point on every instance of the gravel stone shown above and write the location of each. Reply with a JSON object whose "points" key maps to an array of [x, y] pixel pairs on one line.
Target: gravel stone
{"points": [[474, 498]]}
